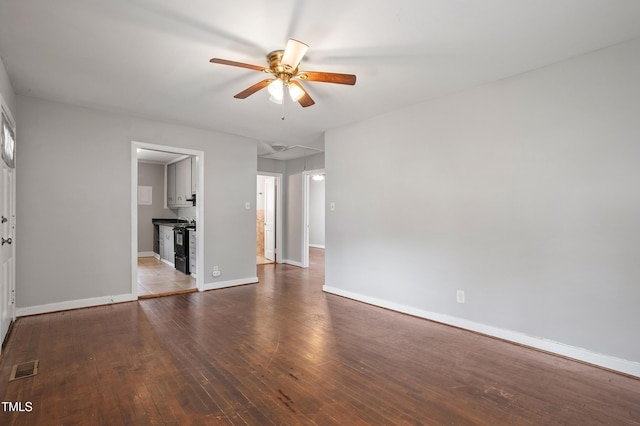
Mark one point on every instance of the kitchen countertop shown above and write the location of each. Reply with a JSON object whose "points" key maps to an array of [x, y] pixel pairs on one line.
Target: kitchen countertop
{"points": [[171, 222]]}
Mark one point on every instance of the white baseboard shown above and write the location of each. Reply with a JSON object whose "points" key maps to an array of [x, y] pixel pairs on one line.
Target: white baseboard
{"points": [[316, 246], [168, 263], [585, 355], [230, 283], [74, 304], [146, 254], [292, 262]]}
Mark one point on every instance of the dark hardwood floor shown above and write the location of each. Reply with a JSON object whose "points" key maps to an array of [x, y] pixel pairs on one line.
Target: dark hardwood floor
{"points": [[284, 352]]}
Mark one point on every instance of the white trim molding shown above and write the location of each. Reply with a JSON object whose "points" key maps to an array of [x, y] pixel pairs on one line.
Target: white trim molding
{"points": [[230, 283], [279, 202], [612, 363], [75, 304], [316, 246], [146, 254], [293, 262]]}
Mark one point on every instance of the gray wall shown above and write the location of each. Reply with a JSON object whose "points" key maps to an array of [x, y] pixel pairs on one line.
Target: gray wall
{"points": [[271, 166], [151, 175], [6, 90], [74, 200], [316, 212], [523, 193]]}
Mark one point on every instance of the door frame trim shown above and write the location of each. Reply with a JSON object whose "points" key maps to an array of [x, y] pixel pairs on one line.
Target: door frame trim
{"points": [[279, 193], [11, 306], [134, 210], [305, 214]]}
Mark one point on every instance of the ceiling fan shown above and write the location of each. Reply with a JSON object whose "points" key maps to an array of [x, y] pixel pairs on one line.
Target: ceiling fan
{"points": [[283, 65]]}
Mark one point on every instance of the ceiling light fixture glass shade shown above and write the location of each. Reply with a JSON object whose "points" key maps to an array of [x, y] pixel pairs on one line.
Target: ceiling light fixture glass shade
{"points": [[276, 90], [293, 53], [295, 92]]}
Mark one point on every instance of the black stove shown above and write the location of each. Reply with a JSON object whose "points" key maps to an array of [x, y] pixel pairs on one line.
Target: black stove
{"points": [[181, 247]]}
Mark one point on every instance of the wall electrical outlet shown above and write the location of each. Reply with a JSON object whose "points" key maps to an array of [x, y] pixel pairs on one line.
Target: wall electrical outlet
{"points": [[216, 271], [460, 296]]}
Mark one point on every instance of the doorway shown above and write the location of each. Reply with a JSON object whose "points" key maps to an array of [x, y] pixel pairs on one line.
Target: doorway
{"points": [[268, 218], [149, 260], [313, 244]]}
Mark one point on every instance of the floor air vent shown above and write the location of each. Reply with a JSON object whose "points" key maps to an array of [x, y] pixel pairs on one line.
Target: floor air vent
{"points": [[26, 369]]}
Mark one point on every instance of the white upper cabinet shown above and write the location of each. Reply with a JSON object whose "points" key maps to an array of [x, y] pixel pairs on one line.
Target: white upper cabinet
{"points": [[179, 184], [194, 175], [171, 185], [183, 182]]}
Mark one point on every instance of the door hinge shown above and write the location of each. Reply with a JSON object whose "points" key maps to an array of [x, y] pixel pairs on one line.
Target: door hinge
{"points": [[13, 297]]}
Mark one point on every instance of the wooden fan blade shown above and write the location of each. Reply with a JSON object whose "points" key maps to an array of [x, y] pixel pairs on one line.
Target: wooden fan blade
{"points": [[236, 64], [253, 89], [327, 77], [305, 100]]}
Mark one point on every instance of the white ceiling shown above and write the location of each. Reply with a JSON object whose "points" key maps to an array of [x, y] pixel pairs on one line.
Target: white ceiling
{"points": [[151, 57]]}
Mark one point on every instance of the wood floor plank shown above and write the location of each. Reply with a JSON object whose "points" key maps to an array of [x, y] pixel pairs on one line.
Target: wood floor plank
{"points": [[284, 352]]}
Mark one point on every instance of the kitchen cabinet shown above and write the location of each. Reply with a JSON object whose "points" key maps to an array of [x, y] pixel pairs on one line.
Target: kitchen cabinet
{"points": [[166, 244], [194, 175], [171, 185], [192, 251], [179, 184], [183, 182]]}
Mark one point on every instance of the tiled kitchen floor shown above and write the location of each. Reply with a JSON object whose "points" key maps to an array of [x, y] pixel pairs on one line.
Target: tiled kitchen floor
{"points": [[156, 278]]}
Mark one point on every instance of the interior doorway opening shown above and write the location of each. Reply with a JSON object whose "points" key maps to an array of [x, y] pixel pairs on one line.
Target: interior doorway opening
{"points": [[268, 218], [314, 207], [156, 270]]}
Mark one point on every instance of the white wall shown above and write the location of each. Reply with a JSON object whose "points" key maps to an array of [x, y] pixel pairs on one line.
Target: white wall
{"points": [[152, 175], [316, 213], [74, 201], [524, 193]]}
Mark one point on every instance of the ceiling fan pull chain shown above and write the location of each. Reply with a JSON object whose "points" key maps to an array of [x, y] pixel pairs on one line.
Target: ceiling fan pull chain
{"points": [[283, 102]]}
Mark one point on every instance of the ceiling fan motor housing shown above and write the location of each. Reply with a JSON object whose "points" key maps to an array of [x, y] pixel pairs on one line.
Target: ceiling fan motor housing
{"points": [[277, 68]]}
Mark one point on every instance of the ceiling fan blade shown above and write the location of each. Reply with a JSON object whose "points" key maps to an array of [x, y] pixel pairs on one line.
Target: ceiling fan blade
{"points": [[236, 64], [253, 89], [327, 77], [304, 100], [293, 53]]}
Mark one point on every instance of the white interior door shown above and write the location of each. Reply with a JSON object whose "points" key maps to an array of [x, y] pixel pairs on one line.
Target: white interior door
{"points": [[7, 276], [270, 218]]}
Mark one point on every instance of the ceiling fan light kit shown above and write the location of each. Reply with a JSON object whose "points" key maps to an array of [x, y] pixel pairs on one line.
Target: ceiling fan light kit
{"points": [[283, 65]]}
